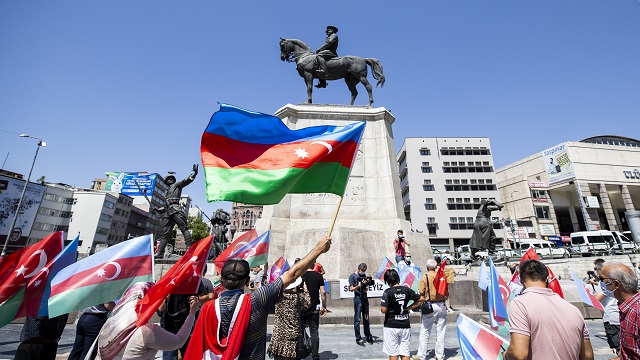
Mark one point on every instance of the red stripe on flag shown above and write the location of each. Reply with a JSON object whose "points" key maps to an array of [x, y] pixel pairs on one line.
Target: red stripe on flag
{"points": [[257, 250], [594, 301], [129, 267], [220, 151], [487, 345]]}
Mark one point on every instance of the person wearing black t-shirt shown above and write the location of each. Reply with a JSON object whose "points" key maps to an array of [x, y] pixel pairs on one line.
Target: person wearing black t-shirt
{"points": [[395, 307], [311, 315]]}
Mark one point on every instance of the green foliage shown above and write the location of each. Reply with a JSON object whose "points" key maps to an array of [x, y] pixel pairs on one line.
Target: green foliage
{"points": [[199, 229]]}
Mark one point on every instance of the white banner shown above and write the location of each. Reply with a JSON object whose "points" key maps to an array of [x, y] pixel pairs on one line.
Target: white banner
{"points": [[546, 229], [374, 290]]}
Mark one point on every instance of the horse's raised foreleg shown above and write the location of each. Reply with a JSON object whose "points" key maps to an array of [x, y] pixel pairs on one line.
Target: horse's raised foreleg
{"points": [[367, 86], [308, 79], [351, 84]]}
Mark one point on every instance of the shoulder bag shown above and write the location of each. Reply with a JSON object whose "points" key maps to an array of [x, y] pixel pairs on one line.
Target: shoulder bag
{"points": [[426, 307]]}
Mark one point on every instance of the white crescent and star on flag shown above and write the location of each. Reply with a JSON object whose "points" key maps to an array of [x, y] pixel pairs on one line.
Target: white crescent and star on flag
{"points": [[102, 271], [302, 153], [22, 270]]}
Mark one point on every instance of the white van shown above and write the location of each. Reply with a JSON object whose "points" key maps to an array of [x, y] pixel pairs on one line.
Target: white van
{"points": [[623, 244], [543, 248], [592, 242]]}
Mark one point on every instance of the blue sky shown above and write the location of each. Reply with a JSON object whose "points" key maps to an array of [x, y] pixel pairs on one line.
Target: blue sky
{"points": [[131, 85]]}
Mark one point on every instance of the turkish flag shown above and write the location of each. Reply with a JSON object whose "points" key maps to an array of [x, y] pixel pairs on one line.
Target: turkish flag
{"points": [[529, 255], [554, 284], [182, 278], [17, 269], [440, 281]]}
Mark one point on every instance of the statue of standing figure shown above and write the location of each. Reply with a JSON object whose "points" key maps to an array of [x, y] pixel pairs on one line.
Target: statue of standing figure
{"points": [[173, 213], [220, 220], [484, 238]]}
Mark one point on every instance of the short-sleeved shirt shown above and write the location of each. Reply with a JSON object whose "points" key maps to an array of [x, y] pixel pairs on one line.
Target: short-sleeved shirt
{"points": [[395, 299], [314, 281], [263, 301], [555, 327], [610, 305], [400, 250], [630, 328]]}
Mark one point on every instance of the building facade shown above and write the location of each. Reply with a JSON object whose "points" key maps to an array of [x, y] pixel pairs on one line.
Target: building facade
{"points": [[243, 216], [54, 214], [93, 215], [591, 184], [443, 183]]}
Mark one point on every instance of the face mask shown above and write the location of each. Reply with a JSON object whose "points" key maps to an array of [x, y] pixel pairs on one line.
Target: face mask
{"points": [[408, 258], [362, 273], [606, 291]]}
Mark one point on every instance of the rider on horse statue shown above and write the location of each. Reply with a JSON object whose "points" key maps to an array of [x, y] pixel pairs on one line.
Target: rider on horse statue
{"points": [[327, 51]]}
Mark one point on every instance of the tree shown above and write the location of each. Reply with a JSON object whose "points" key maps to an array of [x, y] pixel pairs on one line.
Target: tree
{"points": [[40, 180], [199, 229]]}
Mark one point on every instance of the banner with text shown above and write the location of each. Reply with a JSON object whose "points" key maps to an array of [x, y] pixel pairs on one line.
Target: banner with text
{"points": [[125, 183], [373, 291], [558, 164], [10, 192]]}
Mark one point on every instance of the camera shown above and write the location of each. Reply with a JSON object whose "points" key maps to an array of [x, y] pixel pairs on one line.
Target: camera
{"points": [[401, 238], [365, 280]]}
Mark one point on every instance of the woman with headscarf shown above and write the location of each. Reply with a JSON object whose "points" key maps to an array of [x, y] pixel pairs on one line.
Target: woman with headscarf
{"points": [[286, 327], [120, 339]]}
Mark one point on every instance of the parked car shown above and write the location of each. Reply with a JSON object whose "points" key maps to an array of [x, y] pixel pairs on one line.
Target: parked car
{"points": [[465, 253], [623, 244], [543, 248], [442, 254]]}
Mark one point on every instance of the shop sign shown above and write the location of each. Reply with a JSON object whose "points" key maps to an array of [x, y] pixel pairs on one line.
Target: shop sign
{"points": [[632, 174]]}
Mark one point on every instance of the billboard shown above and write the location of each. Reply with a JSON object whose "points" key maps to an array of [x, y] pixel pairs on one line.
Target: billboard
{"points": [[125, 183], [10, 192], [558, 164]]}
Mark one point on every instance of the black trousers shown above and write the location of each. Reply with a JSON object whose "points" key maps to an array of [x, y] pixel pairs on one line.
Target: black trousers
{"points": [[313, 322]]}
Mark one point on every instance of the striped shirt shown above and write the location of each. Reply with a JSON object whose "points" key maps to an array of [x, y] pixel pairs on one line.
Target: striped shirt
{"points": [[263, 301]]}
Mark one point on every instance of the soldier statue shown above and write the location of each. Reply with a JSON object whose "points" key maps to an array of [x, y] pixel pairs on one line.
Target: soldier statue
{"points": [[173, 213], [483, 237], [220, 221], [326, 52]]}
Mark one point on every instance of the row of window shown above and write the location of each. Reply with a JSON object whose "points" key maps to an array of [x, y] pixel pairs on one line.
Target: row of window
{"points": [[468, 181], [470, 226], [470, 187], [60, 199], [125, 201], [469, 163], [478, 151], [108, 204], [466, 169], [102, 231], [121, 212], [54, 212], [49, 227]]}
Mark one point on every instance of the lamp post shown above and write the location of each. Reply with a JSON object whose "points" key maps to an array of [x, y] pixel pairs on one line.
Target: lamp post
{"points": [[515, 219], [24, 190]]}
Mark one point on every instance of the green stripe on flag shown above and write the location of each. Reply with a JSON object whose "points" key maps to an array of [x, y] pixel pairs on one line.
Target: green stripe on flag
{"points": [[257, 260], [10, 307], [80, 298], [264, 187]]}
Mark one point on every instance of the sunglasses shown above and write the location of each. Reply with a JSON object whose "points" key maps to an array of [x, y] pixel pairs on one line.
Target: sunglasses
{"points": [[604, 278]]}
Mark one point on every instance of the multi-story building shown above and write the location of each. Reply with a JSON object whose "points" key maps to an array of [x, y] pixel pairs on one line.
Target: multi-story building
{"points": [[137, 224], [443, 183], [54, 213], [120, 221], [93, 214], [587, 185], [243, 216]]}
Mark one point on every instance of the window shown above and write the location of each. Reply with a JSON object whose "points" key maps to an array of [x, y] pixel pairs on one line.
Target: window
{"points": [[102, 231], [429, 206], [109, 204], [428, 188], [448, 181], [460, 219], [446, 163], [470, 220], [450, 200], [105, 217], [542, 212], [467, 200], [428, 201], [453, 220], [424, 151], [427, 169], [431, 220]]}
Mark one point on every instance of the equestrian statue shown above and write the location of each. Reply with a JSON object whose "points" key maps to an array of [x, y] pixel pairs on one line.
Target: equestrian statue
{"points": [[325, 64]]}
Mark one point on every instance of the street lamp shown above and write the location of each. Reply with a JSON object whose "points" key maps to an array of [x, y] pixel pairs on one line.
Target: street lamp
{"points": [[515, 219], [24, 190]]}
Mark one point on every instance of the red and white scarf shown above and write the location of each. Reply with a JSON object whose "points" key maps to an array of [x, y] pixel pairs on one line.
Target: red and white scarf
{"points": [[205, 340]]}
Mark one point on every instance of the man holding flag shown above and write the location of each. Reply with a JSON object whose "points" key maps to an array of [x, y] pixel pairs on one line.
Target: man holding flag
{"points": [[242, 334], [433, 287], [543, 325]]}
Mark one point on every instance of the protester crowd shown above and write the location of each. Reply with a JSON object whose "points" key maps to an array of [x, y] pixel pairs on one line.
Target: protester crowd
{"points": [[229, 320]]}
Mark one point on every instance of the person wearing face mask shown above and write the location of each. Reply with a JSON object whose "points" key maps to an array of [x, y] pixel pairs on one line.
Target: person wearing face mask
{"points": [[621, 280], [544, 325], [611, 316], [359, 283], [407, 259]]}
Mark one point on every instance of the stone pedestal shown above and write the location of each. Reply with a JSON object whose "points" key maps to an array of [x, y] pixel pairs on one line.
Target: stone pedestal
{"points": [[371, 210]]}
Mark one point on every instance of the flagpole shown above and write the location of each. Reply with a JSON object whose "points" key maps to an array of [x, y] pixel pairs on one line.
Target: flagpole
{"points": [[335, 216]]}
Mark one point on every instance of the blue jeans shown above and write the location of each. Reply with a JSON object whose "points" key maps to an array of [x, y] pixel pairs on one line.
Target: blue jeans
{"points": [[399, 258], [361, 307], [87, 331]]}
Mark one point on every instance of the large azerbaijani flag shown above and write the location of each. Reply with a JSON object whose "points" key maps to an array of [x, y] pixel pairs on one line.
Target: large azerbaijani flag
{"points": [[102, 277], [478, 342], [254, 158]]}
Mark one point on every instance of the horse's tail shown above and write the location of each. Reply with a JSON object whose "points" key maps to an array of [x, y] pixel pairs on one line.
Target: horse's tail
{"points": [[376, 70]]}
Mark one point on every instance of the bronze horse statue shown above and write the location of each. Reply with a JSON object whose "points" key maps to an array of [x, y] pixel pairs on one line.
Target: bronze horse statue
{"points": [[352, 69]]}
